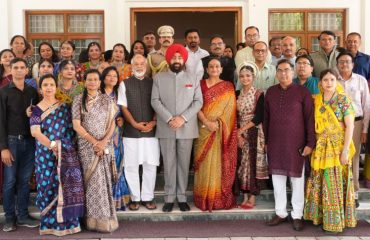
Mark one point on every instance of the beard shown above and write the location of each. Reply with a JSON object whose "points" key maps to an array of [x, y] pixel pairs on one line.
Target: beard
{"points": [[176, 67], [139, 74]]}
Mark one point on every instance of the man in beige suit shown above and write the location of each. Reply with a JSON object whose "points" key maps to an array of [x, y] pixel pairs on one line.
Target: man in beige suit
{"points": [[176, 98]]}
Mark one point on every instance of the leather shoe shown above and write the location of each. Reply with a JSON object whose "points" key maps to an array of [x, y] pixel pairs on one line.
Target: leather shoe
{"points": [[184, 207], [276, 220], [167, 207], [297, 224]]}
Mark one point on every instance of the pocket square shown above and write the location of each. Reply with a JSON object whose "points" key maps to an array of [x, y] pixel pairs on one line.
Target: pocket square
{"points": [[189, 85]]}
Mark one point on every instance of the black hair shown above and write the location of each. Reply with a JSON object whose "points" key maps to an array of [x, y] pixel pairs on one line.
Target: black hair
{"points": [[15, 60], [19, 36], [308, 52], [65, 63], [69, 43], [308, 57], [284, 61], [247, 67], [329, 70], [131, 55], [91, 44], [216, 36], [213, 58], [191, 30], [104, 75], [54, 56], [84, 56], [2, 68], [354, 34], [84, 94], [251, 27], [42, 60], [345, 53], [49, 75], [108, 55], [28, 47], [341, 49], [149, 33], [326, 32], [240, 44], [232, 50], [273, 39], [125, 59]]}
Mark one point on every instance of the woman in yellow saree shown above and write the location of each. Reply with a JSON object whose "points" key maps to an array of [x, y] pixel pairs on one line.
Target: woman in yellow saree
{"points": [[216, 148], [330, 198]]}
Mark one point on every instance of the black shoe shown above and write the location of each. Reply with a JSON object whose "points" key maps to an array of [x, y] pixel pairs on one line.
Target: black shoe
{"points": [[357, 203], [184, 207], [9, 225], [28, 222], [167, 207]]}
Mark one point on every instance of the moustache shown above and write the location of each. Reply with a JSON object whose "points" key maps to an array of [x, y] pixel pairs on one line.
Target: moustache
{"points": [[166, 41], [217, 48]]}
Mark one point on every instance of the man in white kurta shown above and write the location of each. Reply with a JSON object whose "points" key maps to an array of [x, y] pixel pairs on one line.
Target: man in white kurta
{"points": [[140, 144]]}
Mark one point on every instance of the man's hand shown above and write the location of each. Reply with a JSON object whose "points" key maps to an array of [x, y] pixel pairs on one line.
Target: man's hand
{"points": [[7, 157], [306, 151], [176, 122]]}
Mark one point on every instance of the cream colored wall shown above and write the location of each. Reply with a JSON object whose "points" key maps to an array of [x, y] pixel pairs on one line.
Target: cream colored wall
{"points": [[117, 14]]}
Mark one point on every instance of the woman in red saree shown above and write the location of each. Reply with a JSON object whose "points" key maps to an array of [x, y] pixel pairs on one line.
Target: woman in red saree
{"points": [[215, 151]]}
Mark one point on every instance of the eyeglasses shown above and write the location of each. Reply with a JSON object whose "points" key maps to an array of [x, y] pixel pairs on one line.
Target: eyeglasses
{"points": [[254, 36], [303, 63], [219, 44], [259, 50], [344, 62], [286, 70]]}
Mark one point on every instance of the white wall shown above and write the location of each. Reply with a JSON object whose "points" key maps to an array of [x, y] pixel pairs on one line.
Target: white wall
{"points": [[117, 14]]}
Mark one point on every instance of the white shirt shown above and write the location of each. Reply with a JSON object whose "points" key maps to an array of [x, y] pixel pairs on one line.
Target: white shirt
{"points": [[194, 62], [358, 90], [122, 99]]}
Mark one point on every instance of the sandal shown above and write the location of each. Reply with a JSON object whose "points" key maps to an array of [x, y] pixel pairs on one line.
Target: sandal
{"points": [[247, 205], [150, 205], [134, 206]]}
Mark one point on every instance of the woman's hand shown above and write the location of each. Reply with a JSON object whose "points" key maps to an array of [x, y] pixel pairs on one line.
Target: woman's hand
{"points": [[344, 158], [212, 126], [100, 145], [119, 122]]}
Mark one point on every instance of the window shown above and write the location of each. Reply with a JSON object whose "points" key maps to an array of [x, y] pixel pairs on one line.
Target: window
{"points": [[306, 24], [81, 27]]}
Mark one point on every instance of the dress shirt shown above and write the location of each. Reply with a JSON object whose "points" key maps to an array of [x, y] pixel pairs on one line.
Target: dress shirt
{"points": [[266, 78], [13, 105], [362, 65], [194, 62], [357, 89], [246, 54], [275, 60]]}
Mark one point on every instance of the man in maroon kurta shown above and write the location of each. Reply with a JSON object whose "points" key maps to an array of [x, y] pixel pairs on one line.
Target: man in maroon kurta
{"points": [[290, 137]]}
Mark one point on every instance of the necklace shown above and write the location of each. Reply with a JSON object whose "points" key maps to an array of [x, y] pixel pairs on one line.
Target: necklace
{"points": [[50, 104], [323, 107]]}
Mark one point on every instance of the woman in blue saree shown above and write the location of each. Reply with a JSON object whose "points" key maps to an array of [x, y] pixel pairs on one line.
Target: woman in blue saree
{"points": [[60, 193]]}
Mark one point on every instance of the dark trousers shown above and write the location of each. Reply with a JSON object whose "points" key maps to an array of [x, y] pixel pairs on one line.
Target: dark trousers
{"points": [[17, 176]]}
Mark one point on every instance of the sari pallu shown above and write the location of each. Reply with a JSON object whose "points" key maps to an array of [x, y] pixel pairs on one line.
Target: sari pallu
{"points": [[60, 192], [253, 166], [97, 170], [330, 197], [215, 153]]}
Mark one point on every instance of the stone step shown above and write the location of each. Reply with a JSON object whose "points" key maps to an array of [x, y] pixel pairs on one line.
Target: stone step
{"points": [[263, 210]]}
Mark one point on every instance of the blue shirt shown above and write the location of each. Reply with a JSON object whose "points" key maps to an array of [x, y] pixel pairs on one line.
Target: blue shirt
{"points": [[312, 84], [362, 65], [31, 82]]}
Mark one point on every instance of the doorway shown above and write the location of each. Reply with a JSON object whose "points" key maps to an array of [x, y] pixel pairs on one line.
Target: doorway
{"points": [[225, 21]]}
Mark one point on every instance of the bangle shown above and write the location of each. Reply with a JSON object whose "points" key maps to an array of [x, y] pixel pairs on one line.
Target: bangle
{"points": [[83, 136], [52, 144]]}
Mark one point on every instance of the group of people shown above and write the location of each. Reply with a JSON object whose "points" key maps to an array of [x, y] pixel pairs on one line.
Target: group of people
{"points": [[85, 128]]}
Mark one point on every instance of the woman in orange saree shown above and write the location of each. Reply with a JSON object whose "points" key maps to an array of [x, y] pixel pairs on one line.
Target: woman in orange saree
{"points": [[215, 151]]}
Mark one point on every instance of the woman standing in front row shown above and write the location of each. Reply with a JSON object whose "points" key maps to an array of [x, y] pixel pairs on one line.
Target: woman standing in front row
{"points": [[251, 140], [109, 86], [60, 190], [94, 121], [330, 196]]}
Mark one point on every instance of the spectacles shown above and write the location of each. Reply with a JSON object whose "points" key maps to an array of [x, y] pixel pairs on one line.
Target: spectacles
{"points": [[344, 62], [260, 50], [219, 44], [254, 36], [303, 63], [286, 70]]}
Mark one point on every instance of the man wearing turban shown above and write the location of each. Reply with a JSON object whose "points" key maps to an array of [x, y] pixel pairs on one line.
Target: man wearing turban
{"points": [[176, 98], [156, 60]]}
